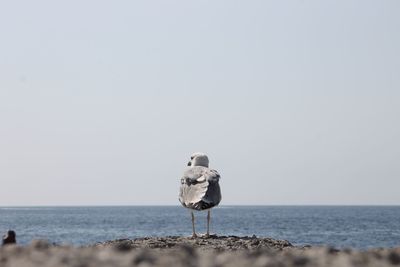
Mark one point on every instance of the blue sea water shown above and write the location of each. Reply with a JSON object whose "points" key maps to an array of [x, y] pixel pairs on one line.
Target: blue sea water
{"points": [[339, 226]]}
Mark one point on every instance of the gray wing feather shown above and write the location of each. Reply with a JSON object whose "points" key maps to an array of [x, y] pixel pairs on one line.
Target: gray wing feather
{"points": [[200, 188]]}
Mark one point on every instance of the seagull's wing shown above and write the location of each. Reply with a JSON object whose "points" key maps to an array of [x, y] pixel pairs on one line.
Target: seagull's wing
{"points": [[199, 188], [213, 194]]}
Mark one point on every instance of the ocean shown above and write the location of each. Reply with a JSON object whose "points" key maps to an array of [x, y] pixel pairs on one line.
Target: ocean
{"points": [[359, 227]]}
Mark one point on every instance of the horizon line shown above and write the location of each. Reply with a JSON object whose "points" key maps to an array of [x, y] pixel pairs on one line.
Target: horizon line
{"points": [[177, 205]]}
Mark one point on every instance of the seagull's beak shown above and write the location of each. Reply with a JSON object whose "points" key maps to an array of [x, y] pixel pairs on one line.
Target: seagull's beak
{"points": [[189, 163]]}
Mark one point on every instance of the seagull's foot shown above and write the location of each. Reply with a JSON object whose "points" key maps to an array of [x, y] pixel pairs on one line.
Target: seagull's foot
{"points": [[194, 236], [207, 235]]}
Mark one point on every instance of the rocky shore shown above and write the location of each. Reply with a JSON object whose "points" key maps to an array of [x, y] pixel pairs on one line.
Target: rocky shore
{"points": [[181, 251], [213, 243]]}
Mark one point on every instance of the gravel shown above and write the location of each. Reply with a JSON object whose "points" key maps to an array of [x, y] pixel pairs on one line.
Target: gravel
{"points": [[217, 251]]}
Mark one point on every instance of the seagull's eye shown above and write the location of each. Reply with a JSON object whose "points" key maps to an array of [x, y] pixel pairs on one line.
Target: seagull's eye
{"points": [[191, 157]]}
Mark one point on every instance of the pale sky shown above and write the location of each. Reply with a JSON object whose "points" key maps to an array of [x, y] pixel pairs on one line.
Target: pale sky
{"points": [[295, 102]]}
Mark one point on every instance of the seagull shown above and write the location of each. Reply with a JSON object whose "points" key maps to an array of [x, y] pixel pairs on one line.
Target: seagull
{"points": [[200, 188]]}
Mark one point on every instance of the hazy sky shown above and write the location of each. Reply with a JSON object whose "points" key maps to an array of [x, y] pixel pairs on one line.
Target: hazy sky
{"points": [[295, 102]]}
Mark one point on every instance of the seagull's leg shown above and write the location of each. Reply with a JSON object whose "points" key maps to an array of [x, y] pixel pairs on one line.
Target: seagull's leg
{"points": [[208, 223], [194, 231]]}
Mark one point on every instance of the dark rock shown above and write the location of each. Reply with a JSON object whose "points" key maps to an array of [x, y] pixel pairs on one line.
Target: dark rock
{"points": [[9, 238], [300, 261], [124, 245], [332, 250], [187, 250], [143, 257], [347, 250], [394, 258]]}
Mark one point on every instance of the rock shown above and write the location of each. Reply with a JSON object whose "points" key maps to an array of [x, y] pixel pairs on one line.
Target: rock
{"points": [[300, 261], [9, 238], [394, 258], [40, 244], [144, 257], [124, 245], [331, 250]]}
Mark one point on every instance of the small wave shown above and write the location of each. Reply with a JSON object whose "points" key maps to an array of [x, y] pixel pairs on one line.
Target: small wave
{"points": [[28, 208]]}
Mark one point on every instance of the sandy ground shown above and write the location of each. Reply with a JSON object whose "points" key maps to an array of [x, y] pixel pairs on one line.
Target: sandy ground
{"points": [[180, 251]]}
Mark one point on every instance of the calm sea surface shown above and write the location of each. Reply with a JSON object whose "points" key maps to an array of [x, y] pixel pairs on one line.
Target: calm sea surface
{"points": [[342, 226]]}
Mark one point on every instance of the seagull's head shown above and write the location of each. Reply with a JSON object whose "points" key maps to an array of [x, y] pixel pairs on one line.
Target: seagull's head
{"points": [[198, 159]]}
